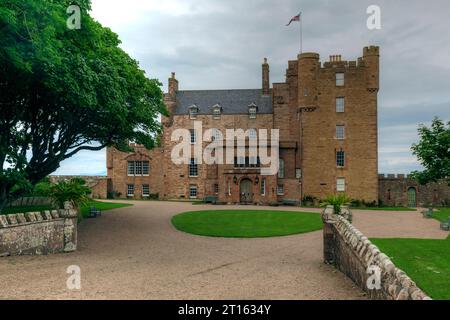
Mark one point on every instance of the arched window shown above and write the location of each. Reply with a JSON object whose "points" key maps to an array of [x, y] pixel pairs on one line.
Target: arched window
{"points": [[281, 169]]}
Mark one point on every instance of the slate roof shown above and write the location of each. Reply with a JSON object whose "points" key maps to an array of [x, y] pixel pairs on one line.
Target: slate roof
{"points": [[231, 101]]}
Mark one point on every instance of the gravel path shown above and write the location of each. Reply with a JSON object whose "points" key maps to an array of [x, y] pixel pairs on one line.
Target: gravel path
{"points": [[135, 253]]}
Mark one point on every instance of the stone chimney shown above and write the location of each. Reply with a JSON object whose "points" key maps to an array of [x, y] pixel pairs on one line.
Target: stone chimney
{"points": [[265, 78], [173, 85]]}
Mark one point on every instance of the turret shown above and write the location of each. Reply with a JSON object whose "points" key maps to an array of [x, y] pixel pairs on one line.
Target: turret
{"points": [[371, 57], [308, 67], [265, 78]]}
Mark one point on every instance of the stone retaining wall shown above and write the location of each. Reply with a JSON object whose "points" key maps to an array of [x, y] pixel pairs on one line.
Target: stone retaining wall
{"points": [[38, 232], [352, 253]]}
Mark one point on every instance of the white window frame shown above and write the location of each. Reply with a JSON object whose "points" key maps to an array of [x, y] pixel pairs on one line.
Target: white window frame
{"points": [[193, 112], [298, 173], [281, 169], [340, 155], [145, 168], [145, 190], [252, 134], [280, 190], [130, 190], [217, 112], [340, 104], [193, 136], [340, 132], [191, 189], [138, 168], [216, 188], [263, 187], [340, 185], [131, 169], [340, 79], [193, 168], [216, 135], [229, 188]]}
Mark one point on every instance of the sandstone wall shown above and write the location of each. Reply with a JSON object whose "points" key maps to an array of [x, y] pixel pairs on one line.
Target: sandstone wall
{"points": [[38, 232], [98, 184], [352, 253]]}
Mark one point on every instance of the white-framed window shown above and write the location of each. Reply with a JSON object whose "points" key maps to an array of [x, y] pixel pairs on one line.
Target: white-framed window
{"points": [[340, 132], [193, 134], [216, 188], [193, 112], [281, 168], [193, 191], [263, 186], [216, 135], [252, 110], [340, 158], [298, 173], [131, 167], [145, 168], [340, 184], [340, 104], [217, 112], [252, 134], [146, 190], [193, 168], [229, 188], [280, 190], [340, 79], [130, 190], [138, 168]]}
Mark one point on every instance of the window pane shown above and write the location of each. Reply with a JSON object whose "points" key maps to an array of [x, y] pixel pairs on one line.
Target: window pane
{"points": [[340, 104], [131, 168], [340, 132], [280, 190], [340, 158], [339, 79], [193, 192], [193, 136], [138, 168], [145, 190], [281, 169], [193, 168], [130, 190], [263, 186], [340, 184], [145, 167]]}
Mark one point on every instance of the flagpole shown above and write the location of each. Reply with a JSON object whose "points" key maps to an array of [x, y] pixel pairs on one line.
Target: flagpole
{"points": [[301, 33]]}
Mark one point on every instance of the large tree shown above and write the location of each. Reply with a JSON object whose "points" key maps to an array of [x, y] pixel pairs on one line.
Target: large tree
{"points": [[63, 91], [433, 152]]}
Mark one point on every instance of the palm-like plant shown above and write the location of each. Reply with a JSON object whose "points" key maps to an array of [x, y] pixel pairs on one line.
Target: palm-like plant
{"points": [[336, 201], [74, 191]]}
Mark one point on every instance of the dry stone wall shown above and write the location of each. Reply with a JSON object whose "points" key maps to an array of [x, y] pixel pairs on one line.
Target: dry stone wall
{"points": [[36, 233], [352, 253]]}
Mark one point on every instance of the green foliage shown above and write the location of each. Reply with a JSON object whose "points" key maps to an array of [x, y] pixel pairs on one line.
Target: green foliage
{"points": [[336, 201], [433, 152], [74, 191], [63, 91], [42, 188], [247, 223]]}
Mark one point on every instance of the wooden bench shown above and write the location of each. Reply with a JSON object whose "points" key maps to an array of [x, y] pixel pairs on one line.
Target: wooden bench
{"points": [[210, 199], [290, 202], [94, 212]]}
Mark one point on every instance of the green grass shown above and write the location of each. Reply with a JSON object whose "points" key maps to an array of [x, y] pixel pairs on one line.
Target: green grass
{"points": [[442, 215], [426, 261], [247, 223], [24, 209], [103, 206]]}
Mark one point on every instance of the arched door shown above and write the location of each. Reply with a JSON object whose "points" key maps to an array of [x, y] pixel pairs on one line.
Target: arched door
{"points": [[246, 192], [412, 203]]}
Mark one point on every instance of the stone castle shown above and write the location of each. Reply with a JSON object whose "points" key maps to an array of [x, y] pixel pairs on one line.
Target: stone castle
{"points": [[326, 114]]}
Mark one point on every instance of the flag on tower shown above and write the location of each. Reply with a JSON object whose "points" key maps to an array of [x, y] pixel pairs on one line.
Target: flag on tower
{"points": [[295, 18]]}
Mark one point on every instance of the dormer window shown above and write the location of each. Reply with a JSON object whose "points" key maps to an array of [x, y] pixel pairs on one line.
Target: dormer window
{"points": [[252, 110], [217, 112], [193, 112]]}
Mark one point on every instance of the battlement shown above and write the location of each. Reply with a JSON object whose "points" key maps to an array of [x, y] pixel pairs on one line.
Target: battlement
{"points": [[392, 176], [371, 51]]}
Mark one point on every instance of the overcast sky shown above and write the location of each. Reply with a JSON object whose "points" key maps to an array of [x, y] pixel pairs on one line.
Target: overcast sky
{"points": [[220, 44]]}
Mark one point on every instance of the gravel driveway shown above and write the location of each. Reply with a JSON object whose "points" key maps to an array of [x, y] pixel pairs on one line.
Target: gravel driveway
{"points": [[135, 253]]}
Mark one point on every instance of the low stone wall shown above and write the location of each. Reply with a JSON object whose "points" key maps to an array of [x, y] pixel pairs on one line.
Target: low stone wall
{"points": [[352, 253], [38, 232]]}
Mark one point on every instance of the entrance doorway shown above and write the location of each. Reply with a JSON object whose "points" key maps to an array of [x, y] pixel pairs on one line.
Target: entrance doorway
{"points": [[412, 203], [246, 192]]}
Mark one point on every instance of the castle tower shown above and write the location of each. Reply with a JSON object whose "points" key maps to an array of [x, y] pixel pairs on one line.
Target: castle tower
{"points": [[371, 58], [308, 66]]}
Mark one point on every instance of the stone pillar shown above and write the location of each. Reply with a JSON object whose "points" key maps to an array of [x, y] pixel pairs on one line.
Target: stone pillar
{"points": [[328, 235], [70, 215], [265, 78]]}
